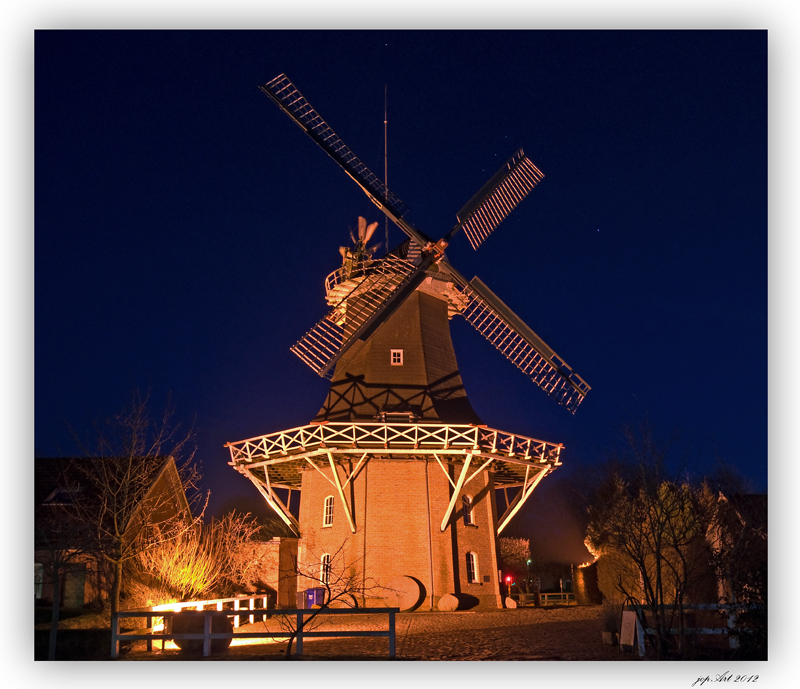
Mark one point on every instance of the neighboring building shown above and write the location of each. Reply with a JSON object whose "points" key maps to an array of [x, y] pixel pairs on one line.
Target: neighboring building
{"points": [[738, 539], [62, 542], [275, 570], [723, 563]]}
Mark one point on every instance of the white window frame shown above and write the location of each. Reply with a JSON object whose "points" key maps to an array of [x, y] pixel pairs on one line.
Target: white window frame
{"points": [[396, 357], [327, 512], [472, 563], [466, 508], [325, 568]]}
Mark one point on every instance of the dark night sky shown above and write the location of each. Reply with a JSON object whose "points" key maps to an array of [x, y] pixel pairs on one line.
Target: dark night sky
{"points": [[184, 226]]}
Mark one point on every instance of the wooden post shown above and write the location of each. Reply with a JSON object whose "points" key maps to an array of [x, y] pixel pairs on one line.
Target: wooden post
{"points": [[252, 607], [207, 633], [114, 636], [733, 642], [150, 627], [236, 619], [391, 634], [299, 644]]}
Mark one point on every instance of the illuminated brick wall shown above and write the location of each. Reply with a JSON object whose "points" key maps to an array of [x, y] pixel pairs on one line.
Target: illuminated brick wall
{"points": [[393, 537]]}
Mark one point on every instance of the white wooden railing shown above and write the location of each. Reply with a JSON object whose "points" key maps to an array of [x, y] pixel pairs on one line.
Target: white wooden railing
{"points": [[156, 627], [401, 436]]}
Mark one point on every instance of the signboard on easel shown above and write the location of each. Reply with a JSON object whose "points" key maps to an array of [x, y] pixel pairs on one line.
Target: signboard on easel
{"points": [[631, 636]]}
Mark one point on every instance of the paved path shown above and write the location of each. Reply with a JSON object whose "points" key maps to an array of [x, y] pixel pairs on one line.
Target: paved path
{"points": [[548, 633]]}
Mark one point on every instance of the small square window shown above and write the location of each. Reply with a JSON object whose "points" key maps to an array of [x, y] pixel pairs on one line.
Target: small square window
{"points": [[396, 357]]}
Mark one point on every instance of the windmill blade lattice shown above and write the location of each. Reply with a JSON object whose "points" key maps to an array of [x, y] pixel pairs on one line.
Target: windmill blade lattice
{"points": [[323, 345], [282, 92], [384, 287], [497, 198], [521, 346]]}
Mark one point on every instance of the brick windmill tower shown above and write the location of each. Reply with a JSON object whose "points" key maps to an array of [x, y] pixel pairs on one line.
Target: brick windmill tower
{"points": [[397, 475]]}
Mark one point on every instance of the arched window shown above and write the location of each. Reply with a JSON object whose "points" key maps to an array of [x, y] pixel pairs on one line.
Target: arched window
{"points": [[472, 568], [325, 569], [327, 512], [466, 502]]}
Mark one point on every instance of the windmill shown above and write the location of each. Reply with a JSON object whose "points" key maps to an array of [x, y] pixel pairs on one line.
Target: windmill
{"points": [[396, 441]]}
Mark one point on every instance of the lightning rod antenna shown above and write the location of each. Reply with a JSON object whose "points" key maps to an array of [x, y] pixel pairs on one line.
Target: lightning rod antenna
{"points": [[385, 159]]}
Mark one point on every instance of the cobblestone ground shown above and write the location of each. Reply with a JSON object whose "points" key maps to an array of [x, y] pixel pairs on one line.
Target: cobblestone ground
{"points": [[548, 633]]}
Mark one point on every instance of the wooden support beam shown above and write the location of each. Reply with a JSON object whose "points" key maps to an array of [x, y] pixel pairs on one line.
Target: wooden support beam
{"points": [[357, 468], [338, 485], [519, 501], [456, 490], [444, 469], [479, 470], [281, 460], [275, 502]]}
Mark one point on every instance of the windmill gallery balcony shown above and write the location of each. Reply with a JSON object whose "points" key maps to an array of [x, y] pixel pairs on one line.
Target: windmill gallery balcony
{"points": [[277, 460]]}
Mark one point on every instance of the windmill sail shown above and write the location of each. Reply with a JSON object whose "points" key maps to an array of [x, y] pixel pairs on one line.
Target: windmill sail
{"points": [[290, 100], [382, 288], [520, 345], [497, 198]]}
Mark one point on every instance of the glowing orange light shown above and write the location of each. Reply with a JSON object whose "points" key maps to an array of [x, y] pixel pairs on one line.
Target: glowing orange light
{"points": [[594, 553]]}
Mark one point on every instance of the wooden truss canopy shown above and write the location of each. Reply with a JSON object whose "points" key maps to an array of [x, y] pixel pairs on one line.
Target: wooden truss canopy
{"points": [[277, 460]]}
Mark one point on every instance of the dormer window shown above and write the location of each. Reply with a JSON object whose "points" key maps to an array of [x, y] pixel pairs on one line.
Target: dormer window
{"points": [[396, 357]]}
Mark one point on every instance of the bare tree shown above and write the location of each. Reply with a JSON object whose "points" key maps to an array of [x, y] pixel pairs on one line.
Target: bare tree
{"points": [[515, 556], [214, 560], [652, 529], [136, 477], [738, 536], [342, 583]]}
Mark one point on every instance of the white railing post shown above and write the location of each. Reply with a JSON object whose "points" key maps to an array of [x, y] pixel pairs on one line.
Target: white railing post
{"points": [[236, 618], [252, 607]]}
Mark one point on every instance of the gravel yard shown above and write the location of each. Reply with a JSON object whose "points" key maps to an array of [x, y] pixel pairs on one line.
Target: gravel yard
{"points": [[548, 633]]}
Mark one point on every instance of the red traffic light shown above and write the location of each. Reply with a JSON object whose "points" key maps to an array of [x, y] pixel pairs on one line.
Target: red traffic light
{"points": [[508, 579]]}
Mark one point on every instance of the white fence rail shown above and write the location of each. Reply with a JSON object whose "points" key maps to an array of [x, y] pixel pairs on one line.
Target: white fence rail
{"points": [[546, 598], [156, 627]]}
